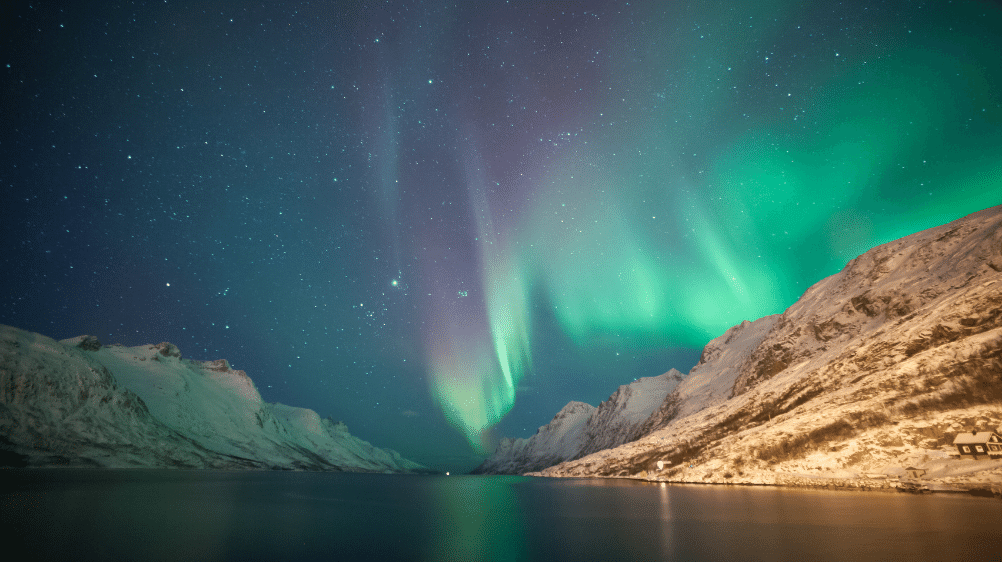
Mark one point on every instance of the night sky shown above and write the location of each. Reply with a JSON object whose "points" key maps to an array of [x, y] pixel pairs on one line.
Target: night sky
{"points": [[440, 222]]}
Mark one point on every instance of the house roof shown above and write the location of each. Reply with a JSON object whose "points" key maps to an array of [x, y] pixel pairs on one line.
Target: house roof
{"points": [[969, 438]]}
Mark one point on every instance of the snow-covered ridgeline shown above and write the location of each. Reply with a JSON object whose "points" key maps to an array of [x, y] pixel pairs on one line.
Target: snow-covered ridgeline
{"points": [[872, 369], [79, 403], [579, 428]]}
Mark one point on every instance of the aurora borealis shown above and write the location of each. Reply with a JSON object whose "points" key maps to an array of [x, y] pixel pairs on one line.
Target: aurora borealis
{"points": [[441, 222]]}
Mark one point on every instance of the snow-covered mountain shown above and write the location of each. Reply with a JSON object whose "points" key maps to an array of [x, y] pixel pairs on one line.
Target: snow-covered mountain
{"points": [[873, 369], [555, 442], [79, 403], [579, 428]]}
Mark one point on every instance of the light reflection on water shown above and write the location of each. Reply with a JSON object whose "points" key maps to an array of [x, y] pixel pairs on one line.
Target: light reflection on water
{"points": [[476, 519], [206, 515]]}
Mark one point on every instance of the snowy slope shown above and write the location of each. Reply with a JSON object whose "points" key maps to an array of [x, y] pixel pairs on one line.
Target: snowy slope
{"points": [[76, 402], [557, 441], [618, 419], [579, 428], [872, 369], [710, 382]]}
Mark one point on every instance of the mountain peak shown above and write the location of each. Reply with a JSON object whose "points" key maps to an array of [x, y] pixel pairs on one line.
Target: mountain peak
{"points": [[580, 428]]}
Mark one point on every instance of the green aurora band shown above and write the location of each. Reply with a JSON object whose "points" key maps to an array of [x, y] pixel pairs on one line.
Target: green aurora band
{"points": [[691, 211]]}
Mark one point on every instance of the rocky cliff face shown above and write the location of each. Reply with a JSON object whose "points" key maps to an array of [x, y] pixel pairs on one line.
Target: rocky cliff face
{"points": [[878, 365], [77, 403], [579, 428]]}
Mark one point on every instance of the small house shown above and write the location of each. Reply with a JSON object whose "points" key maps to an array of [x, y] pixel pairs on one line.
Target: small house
{"points": [[915, 473], [986, 444]]}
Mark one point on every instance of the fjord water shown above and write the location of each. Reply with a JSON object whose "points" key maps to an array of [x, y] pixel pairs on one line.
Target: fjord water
{"points": [[218, 515]]}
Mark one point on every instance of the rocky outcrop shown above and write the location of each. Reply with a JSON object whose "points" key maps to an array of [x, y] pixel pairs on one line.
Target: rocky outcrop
{"points": [[78, 403], [86, 343]]}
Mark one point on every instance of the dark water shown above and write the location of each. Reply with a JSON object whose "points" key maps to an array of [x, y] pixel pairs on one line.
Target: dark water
{"points": [[182, 515]]}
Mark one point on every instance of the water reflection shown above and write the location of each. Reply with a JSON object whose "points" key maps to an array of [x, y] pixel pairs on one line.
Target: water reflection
{"points": [[477, 518], [667, 535], [764, 523], [171, 515]]}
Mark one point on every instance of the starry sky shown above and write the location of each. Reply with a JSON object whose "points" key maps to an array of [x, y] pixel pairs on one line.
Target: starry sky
{"points": [[441, 221]]}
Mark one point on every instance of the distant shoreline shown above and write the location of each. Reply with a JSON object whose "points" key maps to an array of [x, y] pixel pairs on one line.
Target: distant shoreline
{"points": [[977, 489]]}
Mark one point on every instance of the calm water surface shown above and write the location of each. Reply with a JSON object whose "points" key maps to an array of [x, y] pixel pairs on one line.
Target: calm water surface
{"points": [[209, 515]]}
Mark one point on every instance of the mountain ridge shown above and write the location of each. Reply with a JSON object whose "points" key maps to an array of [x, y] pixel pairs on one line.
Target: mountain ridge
{"points": [[79, 403], [871, 370], [579, 429]]}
